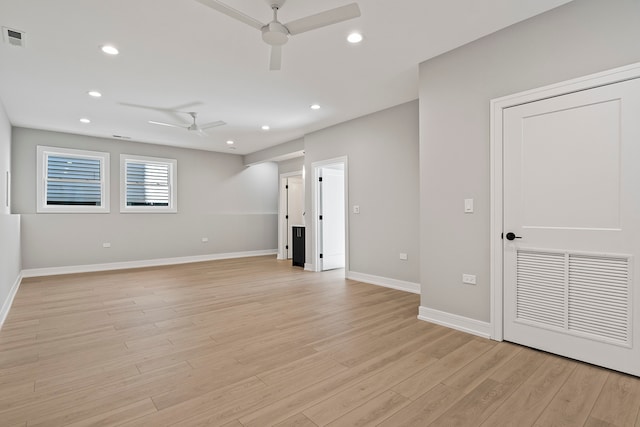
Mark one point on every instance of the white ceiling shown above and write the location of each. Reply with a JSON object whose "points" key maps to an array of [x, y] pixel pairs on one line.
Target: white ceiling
{"points": [[180, 54]]}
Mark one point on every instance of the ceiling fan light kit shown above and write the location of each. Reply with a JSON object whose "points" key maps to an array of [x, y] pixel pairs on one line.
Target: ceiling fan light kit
{"points": [[275, 33]]}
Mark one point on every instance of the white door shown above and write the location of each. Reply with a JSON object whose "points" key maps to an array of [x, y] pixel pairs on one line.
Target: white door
{"points": [[332, 224], [572, 202], [295, 208]]}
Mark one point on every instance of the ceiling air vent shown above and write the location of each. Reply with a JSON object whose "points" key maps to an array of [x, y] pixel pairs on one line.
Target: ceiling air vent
{"points": [[13, 37]]}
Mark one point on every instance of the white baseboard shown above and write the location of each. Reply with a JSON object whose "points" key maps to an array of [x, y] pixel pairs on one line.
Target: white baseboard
{"points": [[308, 267], [52, 271], [4, 312], [400, 285], [453, 321]]}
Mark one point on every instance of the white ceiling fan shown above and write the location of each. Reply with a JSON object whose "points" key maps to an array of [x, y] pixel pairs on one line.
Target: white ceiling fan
{"points": [[277, 34], [193, 127]]}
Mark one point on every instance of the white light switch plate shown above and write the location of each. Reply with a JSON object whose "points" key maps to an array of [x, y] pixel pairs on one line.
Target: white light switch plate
{"points": [[468, 205]]}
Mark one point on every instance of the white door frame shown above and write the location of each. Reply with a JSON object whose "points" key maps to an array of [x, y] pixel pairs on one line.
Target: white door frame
{"points": [[496, 151], [282, 208], [315, 200]]}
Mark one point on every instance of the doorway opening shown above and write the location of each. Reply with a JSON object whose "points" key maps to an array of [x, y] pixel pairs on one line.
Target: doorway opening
{"points": [[330, 214], [291, 211]]}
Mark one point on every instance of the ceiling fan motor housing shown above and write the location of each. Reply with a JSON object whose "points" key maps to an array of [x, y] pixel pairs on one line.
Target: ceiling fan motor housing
{"points": [[275, 3], [275, 34]]}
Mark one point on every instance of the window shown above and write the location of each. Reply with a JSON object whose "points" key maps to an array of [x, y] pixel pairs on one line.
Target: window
{"points": [[147, 184], [72, 181]]}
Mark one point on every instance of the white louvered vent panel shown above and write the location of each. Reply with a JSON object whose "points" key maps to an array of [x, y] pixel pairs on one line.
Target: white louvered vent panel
{"points": [[599, 296], [540, 287]]}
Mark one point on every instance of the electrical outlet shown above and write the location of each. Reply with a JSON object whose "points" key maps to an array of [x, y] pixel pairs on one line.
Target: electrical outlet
{"points": [[106, 245], [403, 256], [469, 279], [356, 209], [205, 239]]}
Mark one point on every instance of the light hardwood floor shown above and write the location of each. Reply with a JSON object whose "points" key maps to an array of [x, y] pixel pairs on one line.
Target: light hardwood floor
{"points": [[256, 342]]}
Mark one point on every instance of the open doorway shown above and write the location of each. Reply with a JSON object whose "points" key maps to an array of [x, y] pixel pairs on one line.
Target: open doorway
{"points": [[291, 211], [330, 215]]}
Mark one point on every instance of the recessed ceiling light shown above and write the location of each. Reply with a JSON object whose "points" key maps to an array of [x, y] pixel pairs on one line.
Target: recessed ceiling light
{"points": [[266, 127], [315, 107], [110, 50], [230, 142], [354, 38], [85, 120], [94, 93]]}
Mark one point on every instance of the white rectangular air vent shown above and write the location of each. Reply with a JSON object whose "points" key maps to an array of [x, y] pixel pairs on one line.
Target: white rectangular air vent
{"points": [[13, 37], [584, 295]]}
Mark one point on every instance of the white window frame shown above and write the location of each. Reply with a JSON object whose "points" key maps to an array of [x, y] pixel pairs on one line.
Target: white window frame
{"points": [[173, 191], [43, 153]]}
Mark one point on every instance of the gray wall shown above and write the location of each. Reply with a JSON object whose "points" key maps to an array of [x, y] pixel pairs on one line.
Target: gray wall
{"points": [[10, 264], [580, 38], [276, 153], [382, 151], [293, 165], [234, 206]]}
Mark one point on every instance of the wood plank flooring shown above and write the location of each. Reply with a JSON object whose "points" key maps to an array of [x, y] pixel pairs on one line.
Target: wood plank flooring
{"points": [[256, 342]]}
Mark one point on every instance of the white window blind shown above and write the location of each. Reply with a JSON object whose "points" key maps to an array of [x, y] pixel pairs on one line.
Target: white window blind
{"points": [[148, 184], [72, 180]]}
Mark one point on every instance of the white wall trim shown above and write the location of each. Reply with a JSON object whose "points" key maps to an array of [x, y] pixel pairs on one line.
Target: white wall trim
{"points": [[309, 267], [497, 106], [52, 271], [400, 285], [4, 312], [453, 321]]}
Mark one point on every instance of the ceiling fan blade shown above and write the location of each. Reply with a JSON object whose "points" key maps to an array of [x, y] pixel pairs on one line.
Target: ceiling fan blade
{"points": [[323, 19], [166, 124], [276, 58], [168, 110], [146, 107], [173, 112], [233, 13], [213, 124]]}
